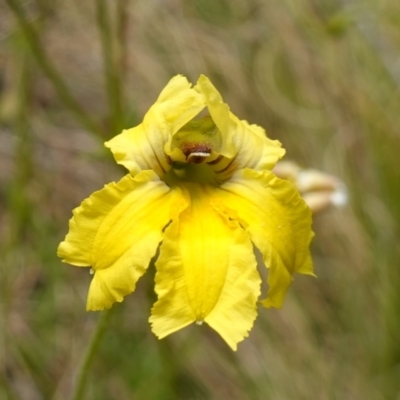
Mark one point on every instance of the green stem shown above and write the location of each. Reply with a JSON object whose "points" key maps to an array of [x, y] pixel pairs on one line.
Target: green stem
{"points": [[111, 68], [122, 39], [50, 71], [19, 202], [81, 378], [5, 384]]}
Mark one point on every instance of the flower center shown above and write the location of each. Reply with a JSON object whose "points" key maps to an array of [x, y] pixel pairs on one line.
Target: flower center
{"points": [[195, 142], [193, 151], [196, 153]]}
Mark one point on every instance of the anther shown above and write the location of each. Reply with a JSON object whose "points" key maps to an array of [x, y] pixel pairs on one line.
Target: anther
{"points": [[197, 157]]}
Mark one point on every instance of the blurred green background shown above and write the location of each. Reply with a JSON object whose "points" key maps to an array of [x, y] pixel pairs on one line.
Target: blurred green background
{"points": [[322, 76]]}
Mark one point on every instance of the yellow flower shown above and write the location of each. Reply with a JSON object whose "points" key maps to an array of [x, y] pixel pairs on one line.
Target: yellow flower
{"points": [[202, 190]]}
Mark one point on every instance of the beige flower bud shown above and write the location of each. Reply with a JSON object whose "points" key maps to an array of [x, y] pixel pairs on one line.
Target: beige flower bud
{"points": [[318, 189]]}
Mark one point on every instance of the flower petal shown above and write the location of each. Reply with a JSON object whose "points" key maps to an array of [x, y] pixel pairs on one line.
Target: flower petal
{"points": [[117, 231], [245, 146], [206, 271], [142, 147], [278, 222]]}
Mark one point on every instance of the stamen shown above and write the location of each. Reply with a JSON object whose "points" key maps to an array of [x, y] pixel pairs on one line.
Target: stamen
{"points": [[91, 272], [199, 323], [196, 153], [197, 157]]}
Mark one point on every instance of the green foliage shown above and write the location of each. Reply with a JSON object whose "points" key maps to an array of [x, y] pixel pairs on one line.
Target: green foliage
{"points": [[321, 76]]}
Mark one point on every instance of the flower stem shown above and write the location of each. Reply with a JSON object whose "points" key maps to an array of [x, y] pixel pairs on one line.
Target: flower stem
{"points": [[44, 62], [111, 65], [81, 378]]}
